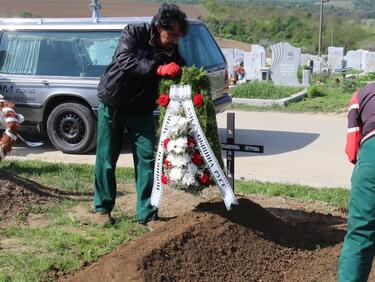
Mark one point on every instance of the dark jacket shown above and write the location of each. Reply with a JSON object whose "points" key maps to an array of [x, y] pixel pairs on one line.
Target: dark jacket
{"points": [[130, 82]]}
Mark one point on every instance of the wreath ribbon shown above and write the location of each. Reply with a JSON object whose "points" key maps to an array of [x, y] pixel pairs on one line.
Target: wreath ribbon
{"points": [[181, 96]]}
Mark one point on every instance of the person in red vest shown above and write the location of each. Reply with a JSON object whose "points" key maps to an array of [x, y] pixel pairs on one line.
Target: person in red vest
{"points": [[359, 245]]}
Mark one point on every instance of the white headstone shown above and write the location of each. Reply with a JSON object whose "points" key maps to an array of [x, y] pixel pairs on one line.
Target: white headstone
{"points": [[232, 56], [363, 52], [256, 47], [285, 62], [318, 66], [306, 78], [229, 57], [318, 63], [305, 59], [335, 58], [354, 59], [254, 61], [369, 65]]}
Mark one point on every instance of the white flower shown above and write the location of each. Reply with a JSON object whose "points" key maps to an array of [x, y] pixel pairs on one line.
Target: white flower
{"points": [[175, 174], [181, 142], [178, 125], [171, 159], [178, 146], [192, 168], [173, 130], [189, 179], [182, 123], [178, 161], [171, 145], [182, 173]]}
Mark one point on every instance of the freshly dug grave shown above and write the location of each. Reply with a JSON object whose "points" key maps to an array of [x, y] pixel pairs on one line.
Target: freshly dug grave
{"points": [[288, 240], [211, 244]]}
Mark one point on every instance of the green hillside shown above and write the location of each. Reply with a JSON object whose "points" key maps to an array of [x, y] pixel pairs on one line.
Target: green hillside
{"points": [[364, 8], [267, 24], [347, 23]]}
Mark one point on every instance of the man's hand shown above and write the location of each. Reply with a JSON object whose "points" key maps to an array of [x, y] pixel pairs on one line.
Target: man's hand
{"points": [[171, 69]]}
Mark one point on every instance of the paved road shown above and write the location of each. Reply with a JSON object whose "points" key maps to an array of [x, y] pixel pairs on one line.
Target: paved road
{"points": [[299, 148]]}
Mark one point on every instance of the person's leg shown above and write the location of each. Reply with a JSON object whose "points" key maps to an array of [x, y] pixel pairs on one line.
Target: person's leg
{"points": [[142, 136], [110, 131], [358, 248]]}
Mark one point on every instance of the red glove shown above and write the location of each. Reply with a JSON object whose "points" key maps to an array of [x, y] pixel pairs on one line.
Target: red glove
{"points": [[172, 70]]}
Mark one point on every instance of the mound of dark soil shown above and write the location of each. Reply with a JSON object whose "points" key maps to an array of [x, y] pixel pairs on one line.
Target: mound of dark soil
{"points": [[211, 244]]}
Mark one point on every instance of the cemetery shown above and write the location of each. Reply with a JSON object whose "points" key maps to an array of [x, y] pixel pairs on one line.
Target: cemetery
{"points": [[271, 77], [201, 237], [212, 225], [222, 234]]}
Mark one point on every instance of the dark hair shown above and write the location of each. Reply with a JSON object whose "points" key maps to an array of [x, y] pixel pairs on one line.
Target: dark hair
{"points": [[168, 15]]}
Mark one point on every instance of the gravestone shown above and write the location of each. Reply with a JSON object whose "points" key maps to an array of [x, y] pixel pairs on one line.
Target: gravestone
{"points": [[306, 78], [354, 59], [254, 61], [232, 56], [262, 50], [229, 57], [363, 53], [285, 63], [335, 58], [305, 59], [369, 62], [318, 65]]}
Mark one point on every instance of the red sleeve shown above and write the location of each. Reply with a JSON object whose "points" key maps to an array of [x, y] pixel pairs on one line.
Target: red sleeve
{"points": [[353, 136]]}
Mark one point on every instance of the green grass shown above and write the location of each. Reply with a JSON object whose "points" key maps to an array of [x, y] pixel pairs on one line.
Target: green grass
{"points": [[56, 248], [337, 197], [334, 101], [63, 243], [328, 94], [67, 177], [263, 90]]}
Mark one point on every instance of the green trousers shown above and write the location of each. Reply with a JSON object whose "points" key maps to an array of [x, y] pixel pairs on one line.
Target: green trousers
{"points": [[359, 244], [141, 130]]}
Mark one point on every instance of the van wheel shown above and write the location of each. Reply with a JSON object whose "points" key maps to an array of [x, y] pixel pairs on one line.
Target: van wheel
{"points": [[72, 129]]}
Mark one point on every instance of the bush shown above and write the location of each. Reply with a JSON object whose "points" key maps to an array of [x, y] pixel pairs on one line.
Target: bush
{"points": [[26, 14], [263, 90], [315, 91], [368, 77], [350, 86]]}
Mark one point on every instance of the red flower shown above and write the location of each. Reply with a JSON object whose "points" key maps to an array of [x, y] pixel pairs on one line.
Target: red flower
{"points": [[204, 179], [167, 163], [197, 159], [198, 100], [164, 179], [163, 99], [165, 143], [191, 142]]}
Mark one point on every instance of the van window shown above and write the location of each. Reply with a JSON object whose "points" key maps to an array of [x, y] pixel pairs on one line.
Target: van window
{"points": [[87, 53], [199, 48], [64, 53]]}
